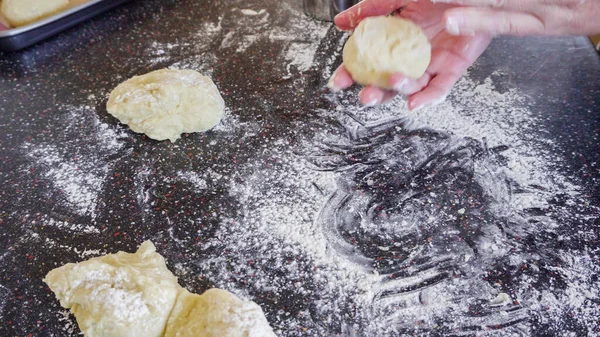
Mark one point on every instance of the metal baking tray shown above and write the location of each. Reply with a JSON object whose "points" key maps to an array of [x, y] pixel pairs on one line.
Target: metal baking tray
{"points": [[22, 37]]}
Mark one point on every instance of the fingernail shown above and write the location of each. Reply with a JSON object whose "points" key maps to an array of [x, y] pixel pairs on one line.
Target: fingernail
{"points": [[331, 84], [417, 108], [372, 103], [452, 26], [430, 104], [422, 106], [400, 86]]}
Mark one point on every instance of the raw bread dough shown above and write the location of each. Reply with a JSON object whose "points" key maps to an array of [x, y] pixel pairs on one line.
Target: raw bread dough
{"points": [[23, 12], [118, 295], [382, 46], [135, 295], [165, 103], [216, 313]]}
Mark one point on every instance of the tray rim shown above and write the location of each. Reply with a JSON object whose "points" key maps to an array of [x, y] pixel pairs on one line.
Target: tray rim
{"points": [[34, 25]]}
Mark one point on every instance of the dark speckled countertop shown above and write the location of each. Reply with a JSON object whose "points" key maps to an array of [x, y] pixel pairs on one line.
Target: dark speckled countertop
{"points": [[338, 220]]}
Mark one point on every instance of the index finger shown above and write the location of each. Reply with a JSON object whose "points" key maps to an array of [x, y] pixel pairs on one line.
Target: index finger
{"points": [[349, 19], [513, 4]]}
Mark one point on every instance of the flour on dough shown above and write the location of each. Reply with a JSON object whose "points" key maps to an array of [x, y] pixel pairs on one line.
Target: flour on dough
{"points": [[382, 46], [135, 295], [118, 295], [23, 12], [165, 103], [216, 313]]}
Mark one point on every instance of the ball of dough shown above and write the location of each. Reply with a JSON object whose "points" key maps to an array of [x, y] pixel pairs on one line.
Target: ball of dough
{"points": [[382, 46], [23, 12], [165, 103]]}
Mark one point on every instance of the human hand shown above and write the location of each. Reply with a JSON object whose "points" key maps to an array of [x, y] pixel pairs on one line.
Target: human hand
{"points": [[450, 58], [523, 17]]}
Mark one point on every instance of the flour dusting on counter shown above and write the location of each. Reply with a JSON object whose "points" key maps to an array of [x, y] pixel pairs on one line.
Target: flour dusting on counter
{"points": [[77, 184], [194, 179], [78, 174], [315, 226], [68, 227], [239, 30], [338, 220], [442, 284]]}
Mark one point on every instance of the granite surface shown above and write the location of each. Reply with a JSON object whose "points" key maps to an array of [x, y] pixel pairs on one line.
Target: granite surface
{"points": [[338, 220]]}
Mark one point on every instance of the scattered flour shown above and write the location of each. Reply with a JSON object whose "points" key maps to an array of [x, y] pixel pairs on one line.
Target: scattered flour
{"points": [[240, 29], [81, 253], [4, 294], [252, 12], [286, 204], [78, 185], [78, 174], [193, 178], [296, 236], [68, 227]]}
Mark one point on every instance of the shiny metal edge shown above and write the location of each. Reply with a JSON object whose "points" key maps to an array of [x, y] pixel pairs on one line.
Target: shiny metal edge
{"points": [[50, 19]]}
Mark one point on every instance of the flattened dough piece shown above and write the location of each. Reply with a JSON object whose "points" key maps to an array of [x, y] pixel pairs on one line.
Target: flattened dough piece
{"points": [[23, 12], [382, 46], [135, 295], [165, 103], [118, 295], [216, 313]]}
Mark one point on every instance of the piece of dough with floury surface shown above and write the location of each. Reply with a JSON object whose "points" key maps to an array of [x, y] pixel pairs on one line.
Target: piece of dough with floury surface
{"points": [[165, 103], [217, 313], [23, 12], [135, 295], [382, 46]]}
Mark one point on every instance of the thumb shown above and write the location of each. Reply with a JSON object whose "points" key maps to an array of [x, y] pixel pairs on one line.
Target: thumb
{"points": [[349, 19]]}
